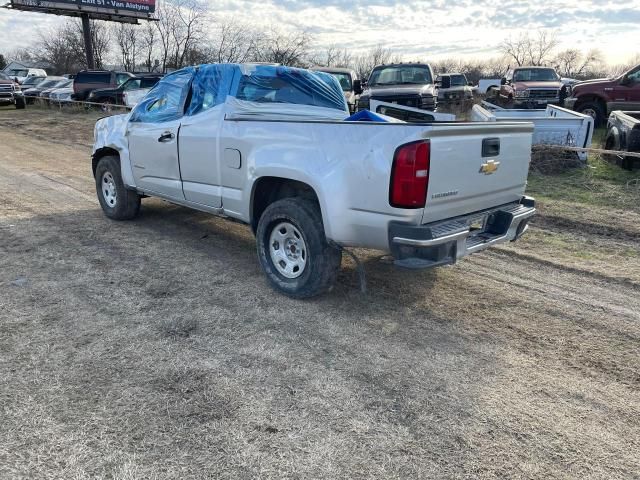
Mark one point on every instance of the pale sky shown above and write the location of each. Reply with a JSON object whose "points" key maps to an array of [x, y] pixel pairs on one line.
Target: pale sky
{"points": [[427, 29]]}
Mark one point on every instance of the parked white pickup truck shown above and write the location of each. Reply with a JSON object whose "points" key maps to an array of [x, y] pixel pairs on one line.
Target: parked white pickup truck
{"points": [[270, 146]]}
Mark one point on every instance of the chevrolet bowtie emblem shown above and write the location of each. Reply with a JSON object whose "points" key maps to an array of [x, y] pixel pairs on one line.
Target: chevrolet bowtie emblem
{"points": [[489, 167]]}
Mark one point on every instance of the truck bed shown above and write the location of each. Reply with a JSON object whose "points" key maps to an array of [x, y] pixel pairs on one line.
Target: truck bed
{"points": [[349, 165], [552, 126]]}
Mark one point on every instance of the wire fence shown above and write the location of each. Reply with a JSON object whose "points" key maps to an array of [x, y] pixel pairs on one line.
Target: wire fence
{"points": [[69, 104]]}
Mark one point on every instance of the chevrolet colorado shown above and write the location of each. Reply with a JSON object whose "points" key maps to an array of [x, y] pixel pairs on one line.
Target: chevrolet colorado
{"points": [[272, 146]]}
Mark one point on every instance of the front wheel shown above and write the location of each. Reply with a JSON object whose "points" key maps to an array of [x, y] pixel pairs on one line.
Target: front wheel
{"points": [[293, 250], [116, 200], [594, 110]]}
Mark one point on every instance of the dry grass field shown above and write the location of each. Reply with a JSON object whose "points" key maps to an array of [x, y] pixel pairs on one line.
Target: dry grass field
{"points": [[155, 349]]}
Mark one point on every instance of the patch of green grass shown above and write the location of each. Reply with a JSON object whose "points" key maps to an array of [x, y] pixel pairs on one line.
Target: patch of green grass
{"points": [[601, 183]]}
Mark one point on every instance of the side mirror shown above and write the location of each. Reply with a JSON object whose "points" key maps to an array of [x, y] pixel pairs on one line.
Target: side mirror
{"points": [[357, 87], [503, 81]]}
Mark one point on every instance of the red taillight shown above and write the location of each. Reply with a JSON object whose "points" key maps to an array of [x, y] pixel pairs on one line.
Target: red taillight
{"points": [[410, 175]]}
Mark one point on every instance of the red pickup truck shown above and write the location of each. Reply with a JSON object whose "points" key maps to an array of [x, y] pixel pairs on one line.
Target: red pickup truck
{"points": [[600, 97], [531, 87]]}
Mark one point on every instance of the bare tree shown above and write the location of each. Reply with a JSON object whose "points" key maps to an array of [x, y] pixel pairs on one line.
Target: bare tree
{"points": [[541, 47], [180, 27], [332, 56], [235, 42], [54, 49], [22, 54], [365, 63], [164, 25], [495, 67], [148, 40], [448, 65], [128, 41], [285, 48], [576, 64], [533, 50], [619, 69], [516, 49], [63, 47], [188, 28]]}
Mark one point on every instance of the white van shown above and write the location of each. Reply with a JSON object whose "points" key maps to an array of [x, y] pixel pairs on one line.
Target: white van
{"points": [[21, 74]]}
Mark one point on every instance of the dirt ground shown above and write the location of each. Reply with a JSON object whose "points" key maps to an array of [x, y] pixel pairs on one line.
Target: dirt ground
{"points": [[156, 349]]}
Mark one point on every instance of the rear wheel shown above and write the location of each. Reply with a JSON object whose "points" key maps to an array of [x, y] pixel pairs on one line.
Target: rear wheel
{"points": [[293, 250], [117, 202]]}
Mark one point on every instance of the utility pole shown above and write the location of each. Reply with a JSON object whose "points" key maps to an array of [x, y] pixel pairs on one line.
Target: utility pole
{"points": [[88, 44]]}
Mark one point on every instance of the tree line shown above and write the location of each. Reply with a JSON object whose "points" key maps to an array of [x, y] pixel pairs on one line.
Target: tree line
{"points": [[186, 32]]}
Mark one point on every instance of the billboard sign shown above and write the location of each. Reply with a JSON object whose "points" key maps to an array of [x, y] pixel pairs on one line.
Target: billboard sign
{"points": [[96, 8]]}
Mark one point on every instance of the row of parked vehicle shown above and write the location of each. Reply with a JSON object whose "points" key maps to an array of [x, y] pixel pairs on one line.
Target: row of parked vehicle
{"points": [[529, 87], [94, 86], [409, 84]]}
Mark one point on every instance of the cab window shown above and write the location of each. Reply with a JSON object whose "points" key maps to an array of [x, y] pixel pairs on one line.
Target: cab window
{"points": [[131, 84], [166, 101], [634, 76], [121, 78], [210, 87]]}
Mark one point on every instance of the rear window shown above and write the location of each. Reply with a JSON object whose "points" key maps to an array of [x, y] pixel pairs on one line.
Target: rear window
{"points": [[93, 77], [270, 84], [147, 82]]}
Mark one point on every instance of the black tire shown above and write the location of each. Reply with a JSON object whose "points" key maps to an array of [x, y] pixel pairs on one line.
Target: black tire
{"points": [[20, 103], [126, 204], [594, 109], [612, 142], [107, 104], [322, 259]]}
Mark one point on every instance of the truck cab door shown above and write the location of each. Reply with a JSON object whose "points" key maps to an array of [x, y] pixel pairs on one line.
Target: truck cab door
{"points": [[153, 150], [199, 149], [152, 134]]}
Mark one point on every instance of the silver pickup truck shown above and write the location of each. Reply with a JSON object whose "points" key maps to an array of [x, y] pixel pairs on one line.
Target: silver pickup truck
{"points": [[272, 147]]}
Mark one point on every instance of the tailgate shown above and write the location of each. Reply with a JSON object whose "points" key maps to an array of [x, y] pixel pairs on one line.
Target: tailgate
{"points": [[475, 167]]}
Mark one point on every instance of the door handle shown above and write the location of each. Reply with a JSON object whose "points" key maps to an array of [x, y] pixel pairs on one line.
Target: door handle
{"points": [[166, 136]]}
